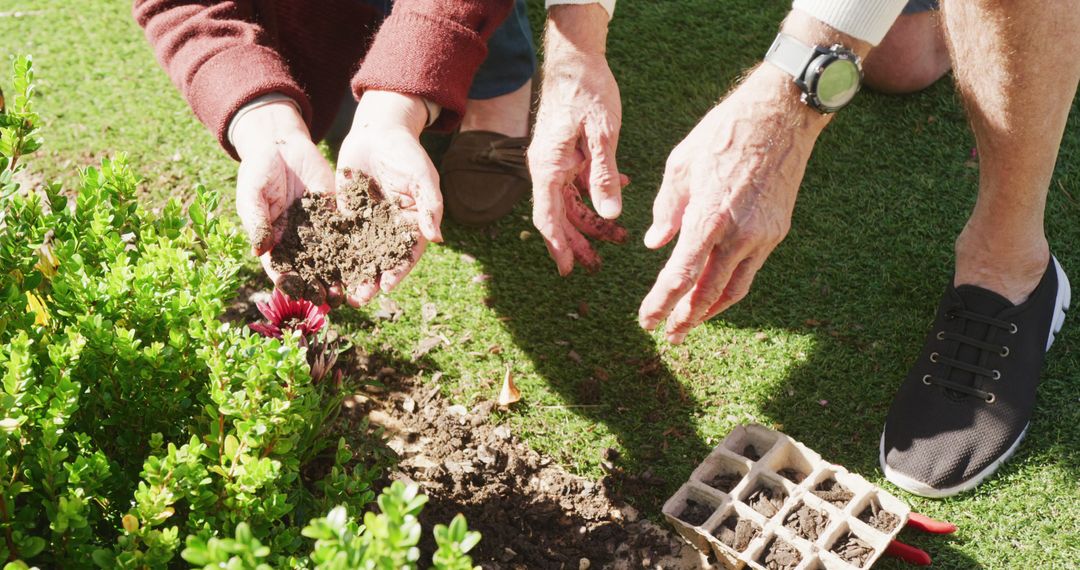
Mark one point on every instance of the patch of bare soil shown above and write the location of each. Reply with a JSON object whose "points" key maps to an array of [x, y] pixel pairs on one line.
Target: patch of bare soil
{"points": [[807, 522], [780, 555], [321, 245], [737, 532], [832, 491], [879, 518], [532, 513], [852, 550]]}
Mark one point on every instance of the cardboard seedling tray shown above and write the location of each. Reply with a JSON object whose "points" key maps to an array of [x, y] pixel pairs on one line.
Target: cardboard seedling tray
{"points": [[724, 489]]}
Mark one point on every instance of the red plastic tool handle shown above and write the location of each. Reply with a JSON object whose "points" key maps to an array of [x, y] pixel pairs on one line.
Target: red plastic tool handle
{"points": [[927, 524], [907, 553]]}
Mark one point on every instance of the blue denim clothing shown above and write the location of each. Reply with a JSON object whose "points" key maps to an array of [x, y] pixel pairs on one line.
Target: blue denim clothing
{"points": [[511, 59], [917, 6]]}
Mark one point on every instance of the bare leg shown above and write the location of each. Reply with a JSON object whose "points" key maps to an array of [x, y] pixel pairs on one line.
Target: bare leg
{"points": [[506, 114], [912, 56], [1017, 71]]}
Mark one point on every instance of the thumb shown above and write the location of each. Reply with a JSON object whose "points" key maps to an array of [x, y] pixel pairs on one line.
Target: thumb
{"points": [[668, 209], [605, 183], [258, 177]]}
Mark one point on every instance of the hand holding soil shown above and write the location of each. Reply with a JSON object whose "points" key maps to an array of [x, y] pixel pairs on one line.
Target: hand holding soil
{"points": [[355, 246]]}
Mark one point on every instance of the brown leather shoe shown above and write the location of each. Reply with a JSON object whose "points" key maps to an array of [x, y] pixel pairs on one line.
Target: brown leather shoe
{"points": [[484, 175]]}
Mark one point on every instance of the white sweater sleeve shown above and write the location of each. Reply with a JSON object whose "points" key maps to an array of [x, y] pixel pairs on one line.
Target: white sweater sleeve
{"points": [[867, 20], [608, 5]]}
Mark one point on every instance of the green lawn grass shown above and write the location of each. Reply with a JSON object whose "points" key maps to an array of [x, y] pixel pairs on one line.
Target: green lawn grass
{"points": [[837, 314]]}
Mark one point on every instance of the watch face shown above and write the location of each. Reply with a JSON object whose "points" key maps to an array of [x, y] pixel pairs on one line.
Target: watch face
{"points": [[838, 83]]}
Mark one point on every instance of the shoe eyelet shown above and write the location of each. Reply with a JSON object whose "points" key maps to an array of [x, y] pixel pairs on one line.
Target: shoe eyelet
{"points": [[926, 379], [1013, 329], [933, 357], [996, 375], [941, 335], [991, 398], [1004, 351]]}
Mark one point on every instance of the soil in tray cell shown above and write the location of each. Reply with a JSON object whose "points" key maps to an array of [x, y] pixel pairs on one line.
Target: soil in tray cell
{"points": [[879, 518], [792, 474], [737, 532], [750, 452], [852, 550], [832, 491], [724, 481], [766, 499], [807, 522], [779, 555], [695, 513]]}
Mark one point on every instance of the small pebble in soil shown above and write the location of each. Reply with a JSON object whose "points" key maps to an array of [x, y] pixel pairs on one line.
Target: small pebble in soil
{"points": [[807, 522], [766, 500], [793, 475], [853, 550], [750, 452], [832, 491], [879, 518], [737, 533], [780, 555], [695, 513], [725, 481]]}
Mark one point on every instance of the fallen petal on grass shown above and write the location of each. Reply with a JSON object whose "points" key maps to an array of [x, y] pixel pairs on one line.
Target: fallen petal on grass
{"points": [[509, 393]]}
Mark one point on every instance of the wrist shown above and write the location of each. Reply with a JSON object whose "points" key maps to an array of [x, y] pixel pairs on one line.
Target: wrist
{"points": [[785, 96], [390, 109], [269, 122], [576, 31]]}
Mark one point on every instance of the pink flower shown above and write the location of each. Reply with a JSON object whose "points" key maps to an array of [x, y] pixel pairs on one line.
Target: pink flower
{"points": [[283, 313]]}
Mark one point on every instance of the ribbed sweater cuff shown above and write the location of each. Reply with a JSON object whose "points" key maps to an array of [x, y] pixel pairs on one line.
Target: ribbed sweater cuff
{"points": [[422, 55], [233, 78], [608, 5], [867, 20]]}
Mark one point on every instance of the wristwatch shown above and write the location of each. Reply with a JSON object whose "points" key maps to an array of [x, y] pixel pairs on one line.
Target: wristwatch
{"points": [[829, 77]]}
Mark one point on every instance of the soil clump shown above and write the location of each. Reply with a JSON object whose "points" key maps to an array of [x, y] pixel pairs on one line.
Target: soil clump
{"points": [[879, 518], [793, 475], [737, 533], [695, 513], [322, 245], [725, 481], [766, 500], [807, 522], [780, 555], [832, 491], [532, 513], [750, 452], [853, 550]]}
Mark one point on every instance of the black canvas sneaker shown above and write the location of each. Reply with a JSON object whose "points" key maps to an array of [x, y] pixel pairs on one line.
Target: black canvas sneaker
{"points": [[965, 405]]}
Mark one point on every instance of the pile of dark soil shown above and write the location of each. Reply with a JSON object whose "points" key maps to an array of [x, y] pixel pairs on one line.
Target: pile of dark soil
{"points": [[695, 513], [807, 522], [737, 532], [750, 452], [766, 500], [832, 491], [879, 518], [322, 245], [852, 550], [792, 474], [724, 481], [780, 555], [532, 514]]}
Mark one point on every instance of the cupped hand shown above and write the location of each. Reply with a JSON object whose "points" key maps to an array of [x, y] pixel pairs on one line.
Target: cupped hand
{"points": [[728, 191], [384, 144], [278, 163], [575, 139]]}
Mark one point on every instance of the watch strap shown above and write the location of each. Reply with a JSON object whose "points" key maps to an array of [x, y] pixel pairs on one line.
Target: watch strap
{"points": [[790, 55]]}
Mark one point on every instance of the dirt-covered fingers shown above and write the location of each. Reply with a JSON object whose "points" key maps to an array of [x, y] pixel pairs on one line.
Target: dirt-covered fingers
{"points": [[587, 221], [261, 197], [584, 254], [361, 294]]}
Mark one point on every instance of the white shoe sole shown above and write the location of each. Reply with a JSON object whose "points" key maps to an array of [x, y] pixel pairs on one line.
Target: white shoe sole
{"points": [[916, 487]]}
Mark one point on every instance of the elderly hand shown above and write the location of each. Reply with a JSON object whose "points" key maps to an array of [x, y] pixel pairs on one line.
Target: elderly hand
{"points": [[384, 144], [574, 141], [278, 162], [729, 189]]}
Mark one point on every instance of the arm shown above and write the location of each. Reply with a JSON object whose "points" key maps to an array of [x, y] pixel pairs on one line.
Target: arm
{"points": [[219, 58], [729, 189], [575, 138]]}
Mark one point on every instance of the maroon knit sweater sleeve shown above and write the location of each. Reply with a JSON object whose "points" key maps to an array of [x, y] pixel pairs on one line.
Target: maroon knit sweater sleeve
{"points": [[217, 56], [432, 48]]}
